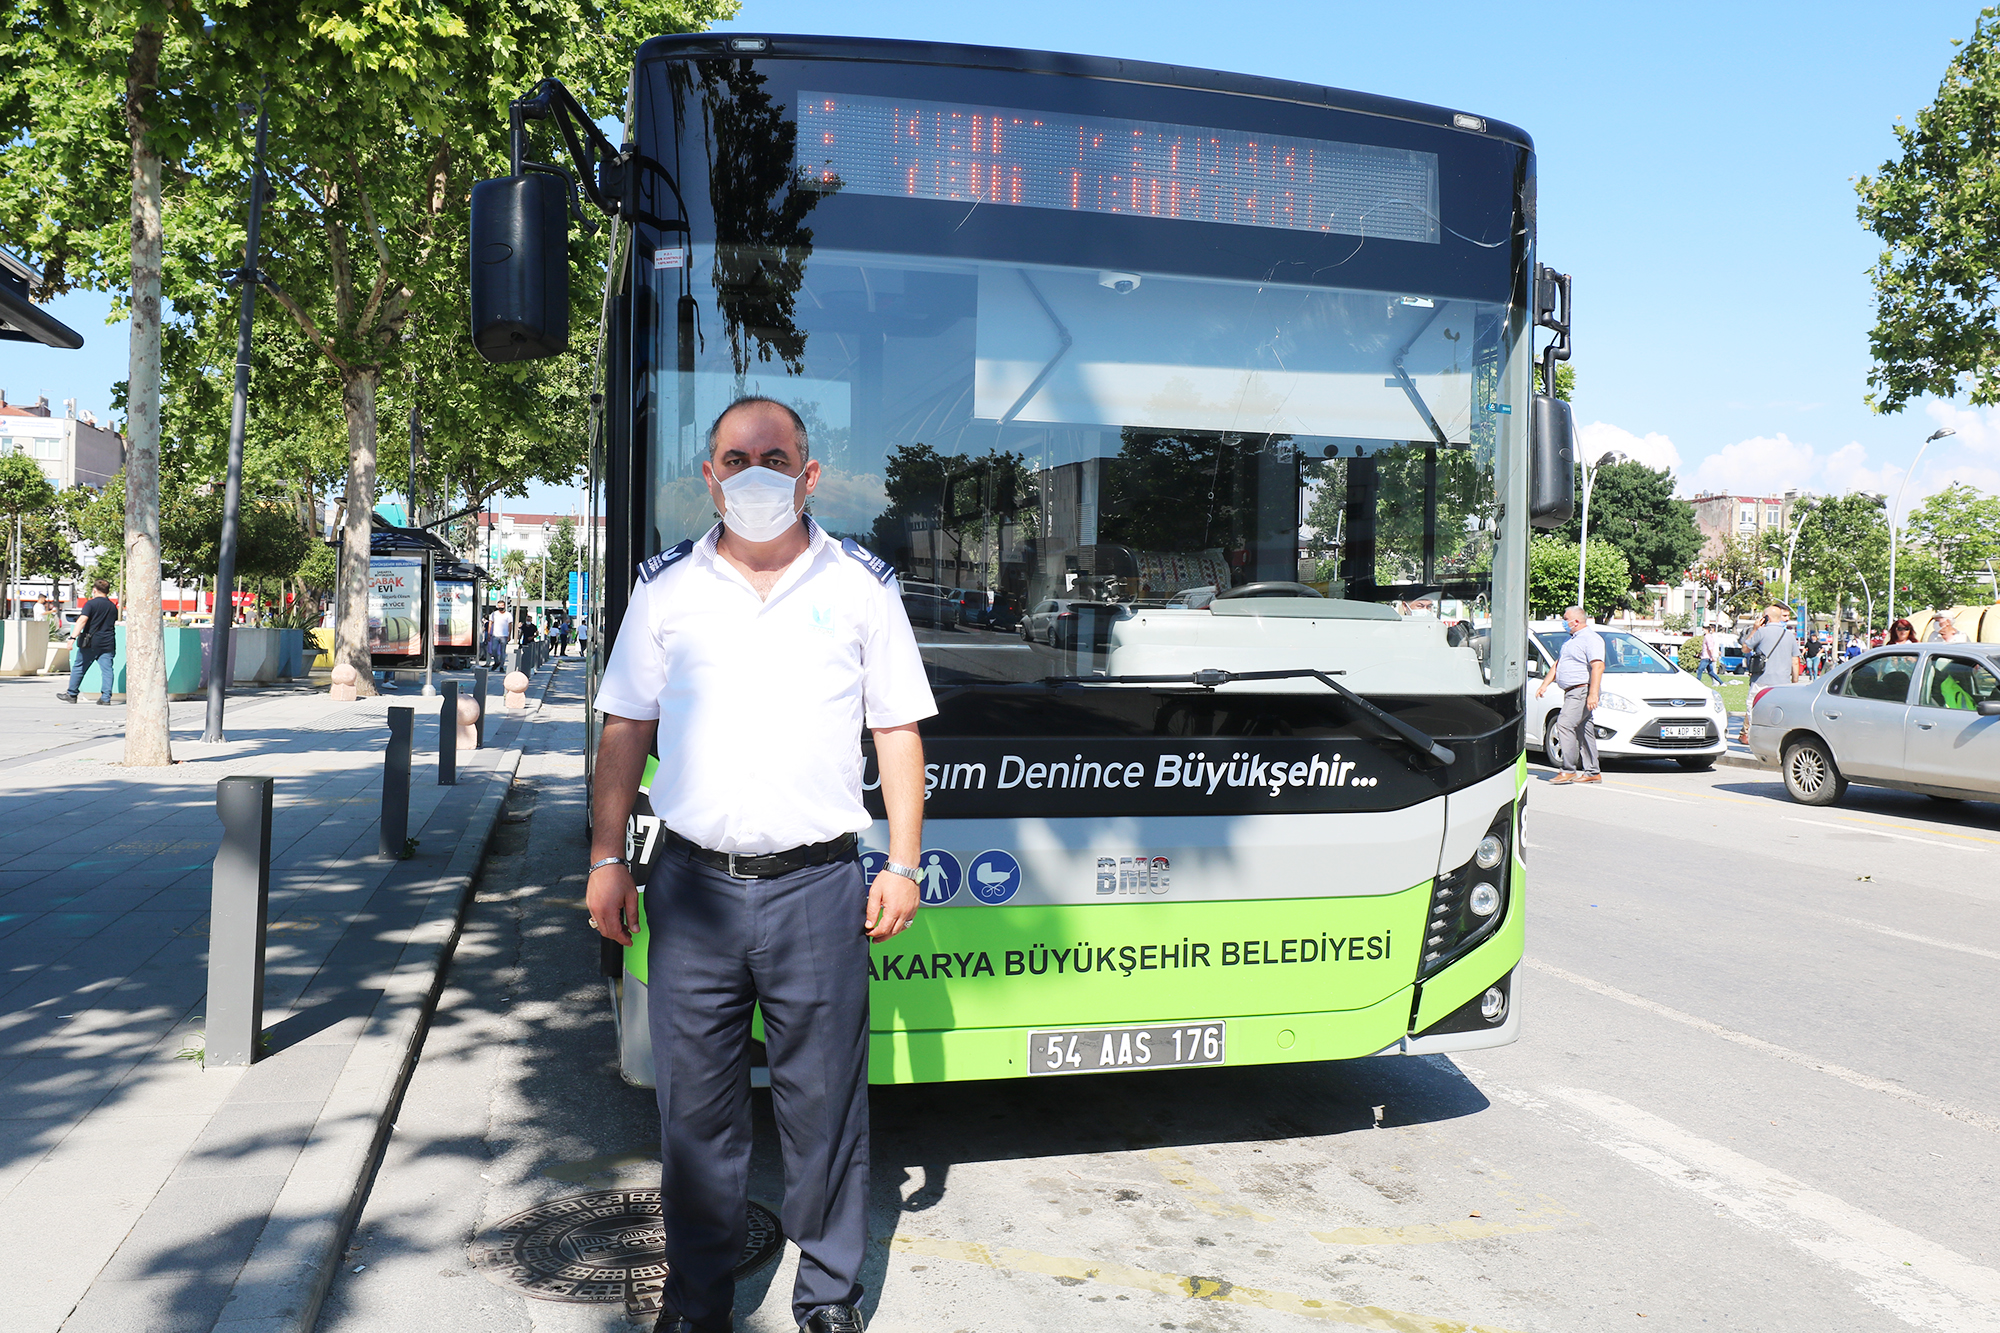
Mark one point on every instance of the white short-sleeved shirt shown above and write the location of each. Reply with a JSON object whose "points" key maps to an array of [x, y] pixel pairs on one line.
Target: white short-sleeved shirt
{"points": [[1573, 663], [761, 702]]}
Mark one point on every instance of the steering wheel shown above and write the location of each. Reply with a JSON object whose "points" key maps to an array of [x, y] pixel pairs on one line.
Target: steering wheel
{"points": [[1271, 588]]}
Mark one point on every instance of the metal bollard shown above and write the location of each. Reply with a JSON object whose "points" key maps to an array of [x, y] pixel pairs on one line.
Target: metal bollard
{"points": [[448, 736], [479, 689], [396, 782], [239, 898]]}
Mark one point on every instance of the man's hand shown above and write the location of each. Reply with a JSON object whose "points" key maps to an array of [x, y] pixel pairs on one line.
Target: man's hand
{"points": [[1545, 688], [892, 905], [1590, 702], [613, 900]]}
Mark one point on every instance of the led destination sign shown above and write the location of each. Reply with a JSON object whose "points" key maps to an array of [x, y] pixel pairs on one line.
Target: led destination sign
{"points": [[1217, 776], [912, 149]]}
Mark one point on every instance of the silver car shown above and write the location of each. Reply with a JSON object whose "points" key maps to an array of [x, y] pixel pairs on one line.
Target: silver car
{"points": [[1922, 717]]}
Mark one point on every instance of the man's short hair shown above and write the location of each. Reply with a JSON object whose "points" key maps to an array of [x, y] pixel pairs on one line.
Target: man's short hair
{"points": [[1575, 611], [102, 585], [798, 423]]}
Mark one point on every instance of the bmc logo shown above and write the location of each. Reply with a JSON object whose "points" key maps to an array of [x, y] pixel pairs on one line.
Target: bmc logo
{"points": [[1146, 875]]}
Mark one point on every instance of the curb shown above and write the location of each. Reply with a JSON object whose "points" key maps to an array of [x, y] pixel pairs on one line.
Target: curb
{"points": [[283, 1283], [1745, 760]]}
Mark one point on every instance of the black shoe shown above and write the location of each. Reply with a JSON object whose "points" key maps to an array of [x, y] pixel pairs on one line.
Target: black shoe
{"points": [[66, 697], [104, 702], [834, 1319], [673, 1323]]}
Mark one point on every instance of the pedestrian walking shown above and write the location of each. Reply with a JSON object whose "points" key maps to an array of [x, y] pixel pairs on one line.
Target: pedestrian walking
{"points": [[749, 661], [1579, 670], [562, 637], [96, 639], [1711, 654]]}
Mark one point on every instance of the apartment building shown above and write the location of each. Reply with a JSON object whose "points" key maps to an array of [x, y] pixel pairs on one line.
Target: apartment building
{"points": [[71, 449]]}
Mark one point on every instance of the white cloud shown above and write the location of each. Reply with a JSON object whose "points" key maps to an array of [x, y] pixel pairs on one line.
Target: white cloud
{"points": [[1656, 451], [1978, 428], [1764, 465]]}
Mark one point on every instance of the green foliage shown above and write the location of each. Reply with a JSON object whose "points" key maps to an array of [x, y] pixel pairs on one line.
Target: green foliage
{"points": [[1633, 507], [1565, 380], [1690, 654], [1935, 209], [563, 552], [1735, 578], [1843, 540], [1552, 577], [1946, 544]]}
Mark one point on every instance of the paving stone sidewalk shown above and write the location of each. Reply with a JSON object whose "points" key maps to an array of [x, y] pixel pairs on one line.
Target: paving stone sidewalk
{"points": [[139, 1190]]}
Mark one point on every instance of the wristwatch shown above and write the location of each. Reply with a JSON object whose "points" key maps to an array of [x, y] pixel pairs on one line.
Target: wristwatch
{"points": [[910, 873]]}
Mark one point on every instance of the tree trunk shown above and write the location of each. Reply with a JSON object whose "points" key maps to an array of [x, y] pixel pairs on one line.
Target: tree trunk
{"points": [[147, 738], [350, 635]]}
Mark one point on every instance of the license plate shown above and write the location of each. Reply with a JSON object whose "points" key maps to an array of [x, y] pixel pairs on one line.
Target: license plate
{"points": [[1683, 733], [1108, 1050]]}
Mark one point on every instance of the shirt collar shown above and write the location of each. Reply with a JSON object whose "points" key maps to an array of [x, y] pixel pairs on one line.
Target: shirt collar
{"points": [[816, 539], [816, 542]]}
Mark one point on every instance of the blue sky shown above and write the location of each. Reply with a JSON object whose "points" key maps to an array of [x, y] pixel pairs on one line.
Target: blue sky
{"points": [[1695, 165]]}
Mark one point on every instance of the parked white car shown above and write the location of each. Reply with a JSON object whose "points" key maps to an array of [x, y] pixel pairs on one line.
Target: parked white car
{"points": [[1647, 707], [1921, 717]]}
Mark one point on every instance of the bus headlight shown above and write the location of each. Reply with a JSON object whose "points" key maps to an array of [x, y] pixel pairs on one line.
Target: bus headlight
{"points": [[1468, 903], [1493, 1004]]}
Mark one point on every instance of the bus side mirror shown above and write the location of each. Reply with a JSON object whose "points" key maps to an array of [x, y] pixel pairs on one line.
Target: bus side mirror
{"points": [[1551, 463], [520, 267]]}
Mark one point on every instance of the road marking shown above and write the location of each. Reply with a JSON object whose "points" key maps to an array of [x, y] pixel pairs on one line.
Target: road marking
{"points": [[1624, 790], [1914, 1279], [1878, 833], [1176, 1169], [1432, 1233], [1972, 949], [1785, 1053], [1010, 1260], [1919, 828]]}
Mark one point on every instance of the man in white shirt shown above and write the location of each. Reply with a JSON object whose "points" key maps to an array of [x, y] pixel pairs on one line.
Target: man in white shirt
{"points": [[749, 661], [1579, 670]]}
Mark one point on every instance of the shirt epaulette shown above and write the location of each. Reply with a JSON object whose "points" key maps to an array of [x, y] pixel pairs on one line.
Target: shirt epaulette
{"points": [[652, 565], [874, 564]]}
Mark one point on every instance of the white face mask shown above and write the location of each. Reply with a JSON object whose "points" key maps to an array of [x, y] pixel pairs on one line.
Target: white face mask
{"points": [[758, 504]]}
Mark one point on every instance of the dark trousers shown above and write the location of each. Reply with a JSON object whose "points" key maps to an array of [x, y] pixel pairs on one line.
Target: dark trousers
{"points": [[794, 947]]}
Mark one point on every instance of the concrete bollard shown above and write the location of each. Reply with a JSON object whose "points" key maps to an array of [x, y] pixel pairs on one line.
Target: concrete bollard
{"points": [[239, 898], [396, 782], [479, 693], [513, 658], [448, 736], [468, 724], [344, 678], [516, 686]]}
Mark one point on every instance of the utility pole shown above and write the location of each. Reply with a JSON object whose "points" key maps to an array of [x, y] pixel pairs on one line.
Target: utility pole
{"points": [[1938, 434], [1583, 535], [232, 492]]}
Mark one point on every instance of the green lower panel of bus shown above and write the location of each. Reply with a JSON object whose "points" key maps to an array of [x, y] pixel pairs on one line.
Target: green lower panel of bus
{"points": [[919, 1056]]}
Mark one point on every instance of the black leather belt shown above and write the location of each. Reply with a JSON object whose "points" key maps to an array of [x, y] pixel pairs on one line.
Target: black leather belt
{"points": [[766, 865]]}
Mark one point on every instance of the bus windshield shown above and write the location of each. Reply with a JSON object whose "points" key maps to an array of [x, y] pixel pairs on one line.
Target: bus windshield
{"points": [[1101, 471]]}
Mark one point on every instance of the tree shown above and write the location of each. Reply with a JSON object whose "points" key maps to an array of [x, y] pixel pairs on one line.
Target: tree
{"points": [[1735, 578], [1843, 540], [562, 553], [1934, 209], [23, 491], [1947, 542], [1633, 507], [1552, 577]]}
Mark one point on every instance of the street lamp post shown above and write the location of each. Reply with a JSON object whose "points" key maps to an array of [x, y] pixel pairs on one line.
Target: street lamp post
{"points": [[1583, 539], [1937, 434], [232, 490], [1866, 593]]}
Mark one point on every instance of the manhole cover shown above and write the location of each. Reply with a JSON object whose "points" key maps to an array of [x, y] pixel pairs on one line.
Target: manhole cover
{"points": [[600, 1248]]}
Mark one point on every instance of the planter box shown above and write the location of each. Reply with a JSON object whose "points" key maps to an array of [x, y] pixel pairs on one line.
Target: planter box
{"points": [[253, 655], [291, 653], [322, 642], [24, 647], [58, 659], [184, 649]]}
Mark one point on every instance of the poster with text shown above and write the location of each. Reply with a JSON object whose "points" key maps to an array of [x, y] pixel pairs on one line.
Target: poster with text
{"points": [[396, 606]]}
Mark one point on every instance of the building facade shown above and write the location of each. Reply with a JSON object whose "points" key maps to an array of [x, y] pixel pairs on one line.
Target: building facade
{"points": [[71, 450], [1722, 517]]}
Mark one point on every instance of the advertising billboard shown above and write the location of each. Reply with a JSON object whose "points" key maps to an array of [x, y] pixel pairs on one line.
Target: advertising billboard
{"points": [[396, 606]]}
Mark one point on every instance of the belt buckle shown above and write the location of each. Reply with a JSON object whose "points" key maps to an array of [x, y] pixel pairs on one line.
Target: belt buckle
{"points": [[731, 867]]}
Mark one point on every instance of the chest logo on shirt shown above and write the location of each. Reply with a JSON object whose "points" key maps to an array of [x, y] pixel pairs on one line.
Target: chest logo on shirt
{"points": [[822, 619]]}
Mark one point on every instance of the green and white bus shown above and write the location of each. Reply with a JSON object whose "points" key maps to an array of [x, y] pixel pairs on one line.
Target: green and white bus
{"points": [[1196, 411]]}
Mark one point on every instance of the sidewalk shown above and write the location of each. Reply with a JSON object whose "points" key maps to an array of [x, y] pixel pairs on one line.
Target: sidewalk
{"points": [[139, 1190]]}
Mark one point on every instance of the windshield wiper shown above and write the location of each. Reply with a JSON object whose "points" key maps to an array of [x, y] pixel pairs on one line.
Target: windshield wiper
{"points": [[1211, 677]]}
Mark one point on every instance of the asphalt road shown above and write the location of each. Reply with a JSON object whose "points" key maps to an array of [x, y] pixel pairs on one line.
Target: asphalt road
{"points": [[1756, 1089]]}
